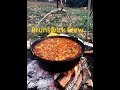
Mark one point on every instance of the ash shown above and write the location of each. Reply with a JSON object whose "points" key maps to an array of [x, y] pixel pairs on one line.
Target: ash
{"points": [[38, 78]]}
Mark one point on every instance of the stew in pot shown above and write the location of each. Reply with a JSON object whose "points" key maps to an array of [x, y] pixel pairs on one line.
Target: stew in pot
{"points": [[57, 49]]}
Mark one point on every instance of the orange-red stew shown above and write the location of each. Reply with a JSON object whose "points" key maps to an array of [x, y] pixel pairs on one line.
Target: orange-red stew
{"points": [[57, 49]]}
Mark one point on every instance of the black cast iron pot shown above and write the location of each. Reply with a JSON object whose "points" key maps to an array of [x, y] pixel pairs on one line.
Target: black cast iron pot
{"points": [[58, 66]]}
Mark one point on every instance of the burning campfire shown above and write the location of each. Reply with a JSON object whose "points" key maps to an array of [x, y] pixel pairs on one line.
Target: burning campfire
{"points": [[76, 78], [79, 78]]}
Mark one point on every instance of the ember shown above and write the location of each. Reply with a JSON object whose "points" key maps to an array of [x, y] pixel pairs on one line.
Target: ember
{"points": [[76, 69]]}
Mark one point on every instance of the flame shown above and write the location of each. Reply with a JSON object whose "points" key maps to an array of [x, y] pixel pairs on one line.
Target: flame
{"points": [[76, 69]]}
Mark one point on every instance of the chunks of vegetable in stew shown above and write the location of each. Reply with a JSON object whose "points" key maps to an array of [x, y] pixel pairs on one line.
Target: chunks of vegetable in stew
{"points": [[57, 49]]}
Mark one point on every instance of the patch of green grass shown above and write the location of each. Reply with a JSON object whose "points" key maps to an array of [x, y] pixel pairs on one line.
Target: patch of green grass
{"points": [[46, 10], [56, 20]]}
